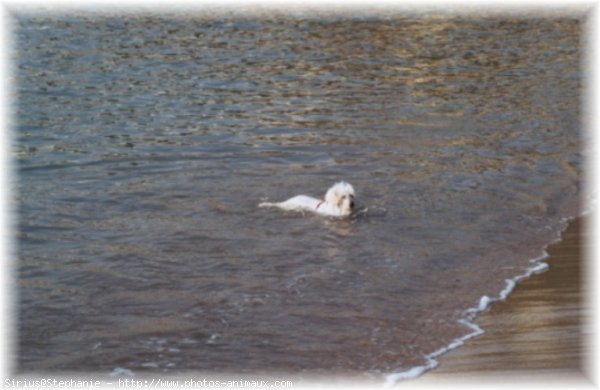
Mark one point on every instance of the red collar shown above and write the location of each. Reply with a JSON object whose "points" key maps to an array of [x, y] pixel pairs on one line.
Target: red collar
{"points": [[319, 205]]}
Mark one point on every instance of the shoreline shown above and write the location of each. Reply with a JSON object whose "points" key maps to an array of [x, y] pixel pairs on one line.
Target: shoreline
{"points": [[537, 330]]}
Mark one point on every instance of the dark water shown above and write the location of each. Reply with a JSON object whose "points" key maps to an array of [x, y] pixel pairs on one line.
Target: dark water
{"points": [[143, 145]]}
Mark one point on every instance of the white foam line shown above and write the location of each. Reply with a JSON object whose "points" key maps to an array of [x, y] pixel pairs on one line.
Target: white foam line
{"points": [[590, 204], [469, 315]]}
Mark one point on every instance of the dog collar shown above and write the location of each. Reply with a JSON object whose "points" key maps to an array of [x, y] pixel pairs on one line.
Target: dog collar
{"points": [[319, 205]]}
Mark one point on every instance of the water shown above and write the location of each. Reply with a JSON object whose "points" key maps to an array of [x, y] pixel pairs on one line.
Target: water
{"points": [[143, 145]]}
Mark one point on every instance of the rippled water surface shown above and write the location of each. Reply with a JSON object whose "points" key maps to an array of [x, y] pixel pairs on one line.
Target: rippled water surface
{"points": [[143, 145]]}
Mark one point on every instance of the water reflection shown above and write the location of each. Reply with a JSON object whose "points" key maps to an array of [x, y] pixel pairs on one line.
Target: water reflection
{"points": [[144, 145]]}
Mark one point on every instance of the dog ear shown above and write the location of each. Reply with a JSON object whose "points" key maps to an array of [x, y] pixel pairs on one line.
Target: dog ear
{"points": [[332, 196], [340, 201]]}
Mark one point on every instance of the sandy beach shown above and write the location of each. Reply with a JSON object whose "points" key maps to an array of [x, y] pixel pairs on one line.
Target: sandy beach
{"points": [[537, 332], [144, 145]]}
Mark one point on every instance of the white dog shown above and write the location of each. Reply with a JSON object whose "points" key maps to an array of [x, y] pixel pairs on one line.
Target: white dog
{"points": [[339, 202]]}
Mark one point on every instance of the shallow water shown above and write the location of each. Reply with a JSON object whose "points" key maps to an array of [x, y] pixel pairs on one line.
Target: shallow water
{"points": [[144, 144]]}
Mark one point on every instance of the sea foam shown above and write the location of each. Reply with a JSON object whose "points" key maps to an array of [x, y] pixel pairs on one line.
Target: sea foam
{"points": [[469, 315]]}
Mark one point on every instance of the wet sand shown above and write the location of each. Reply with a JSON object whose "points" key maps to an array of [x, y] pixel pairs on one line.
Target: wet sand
{"points": [[537, 332]]}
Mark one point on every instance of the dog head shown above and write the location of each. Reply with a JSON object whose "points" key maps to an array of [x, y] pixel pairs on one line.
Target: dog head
{"points": [[341, 196]]}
